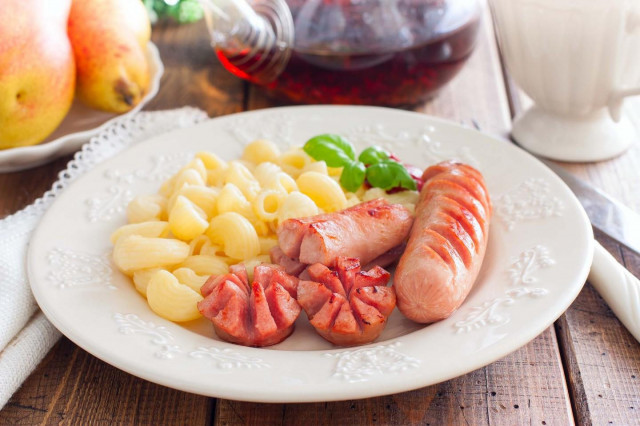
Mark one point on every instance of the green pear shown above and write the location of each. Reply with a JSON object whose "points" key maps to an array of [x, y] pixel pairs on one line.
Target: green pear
{"points": [[37, 70], [109, 39]]}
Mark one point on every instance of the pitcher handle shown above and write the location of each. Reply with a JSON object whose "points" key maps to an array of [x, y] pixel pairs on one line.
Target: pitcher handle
{"points": [[617, 97]]}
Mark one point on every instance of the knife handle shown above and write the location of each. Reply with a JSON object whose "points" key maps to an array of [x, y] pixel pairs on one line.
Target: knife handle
{"points": [[618, 287]]}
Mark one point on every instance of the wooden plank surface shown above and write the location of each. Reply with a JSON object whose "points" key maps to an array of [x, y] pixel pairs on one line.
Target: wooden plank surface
{"points": [[528, 386], [602, 357], [73, 387]]}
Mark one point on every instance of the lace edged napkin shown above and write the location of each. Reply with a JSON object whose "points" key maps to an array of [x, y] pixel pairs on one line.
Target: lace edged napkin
{"points": [[25, 334]]}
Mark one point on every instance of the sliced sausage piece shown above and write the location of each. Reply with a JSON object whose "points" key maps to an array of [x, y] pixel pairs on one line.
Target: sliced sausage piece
{"points": [[215, 280], [347, 306], [260, 314], [297, 269], [291, 266], [364, 231], [446, 245]]}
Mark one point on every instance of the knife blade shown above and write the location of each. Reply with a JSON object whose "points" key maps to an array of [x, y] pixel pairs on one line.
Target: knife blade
{"points": [[606, 214]]}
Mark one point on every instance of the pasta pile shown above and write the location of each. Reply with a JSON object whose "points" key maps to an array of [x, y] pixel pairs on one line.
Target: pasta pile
{"points": [[213, 214]]}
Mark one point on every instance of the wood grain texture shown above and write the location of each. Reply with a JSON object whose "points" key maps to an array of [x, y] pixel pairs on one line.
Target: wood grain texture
{"points": [[19, 189], [72, 387], [529, 386], [193, 76], [603, 358], [526, 387]]}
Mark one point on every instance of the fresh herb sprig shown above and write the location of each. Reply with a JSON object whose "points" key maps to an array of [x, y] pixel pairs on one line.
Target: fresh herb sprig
{"points": [[374, 164]]}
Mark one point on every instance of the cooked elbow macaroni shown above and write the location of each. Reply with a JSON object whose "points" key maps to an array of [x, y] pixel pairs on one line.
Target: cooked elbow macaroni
{"points": [[238, 237], [297, 204], [215, 213], [324, 191], [186, 220], [170, 299]]}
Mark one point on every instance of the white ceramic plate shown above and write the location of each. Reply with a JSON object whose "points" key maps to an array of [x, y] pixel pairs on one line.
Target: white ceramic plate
{"points": [[538, 257], [80, 124]]}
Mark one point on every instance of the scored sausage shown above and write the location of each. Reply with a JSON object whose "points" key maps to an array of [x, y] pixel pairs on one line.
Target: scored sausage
{"points": [[446, 244], [364, 231], [260, 313], [347, 306]]}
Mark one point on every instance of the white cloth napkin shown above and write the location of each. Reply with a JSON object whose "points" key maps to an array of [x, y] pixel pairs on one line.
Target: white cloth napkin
{"points": [[25, 334]]}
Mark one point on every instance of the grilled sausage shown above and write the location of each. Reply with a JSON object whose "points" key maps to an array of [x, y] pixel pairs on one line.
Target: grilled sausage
{"points": [[347, 306], [295, 268], [446, 245], [364, 231], [262, 313]]}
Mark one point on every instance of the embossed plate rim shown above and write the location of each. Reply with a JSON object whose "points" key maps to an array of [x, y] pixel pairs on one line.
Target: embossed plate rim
{"points": [[160, 351]]}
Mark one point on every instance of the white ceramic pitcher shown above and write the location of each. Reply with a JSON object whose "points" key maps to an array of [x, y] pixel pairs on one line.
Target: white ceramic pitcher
{"points": [[578, 60]]}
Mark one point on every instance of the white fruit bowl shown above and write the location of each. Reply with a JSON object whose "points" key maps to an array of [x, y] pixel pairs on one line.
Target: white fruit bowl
{"points": [[80, 124]]}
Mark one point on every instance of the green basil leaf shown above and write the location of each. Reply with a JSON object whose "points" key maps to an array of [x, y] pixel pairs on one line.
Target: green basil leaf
{"points": [[380, 176], [404, 179], [332, 149], [352, 176], [373, 155], [389, 174]]}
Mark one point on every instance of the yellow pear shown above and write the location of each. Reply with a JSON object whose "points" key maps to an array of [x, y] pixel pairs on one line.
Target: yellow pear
{"points": [[37, 70], [109, 39]]}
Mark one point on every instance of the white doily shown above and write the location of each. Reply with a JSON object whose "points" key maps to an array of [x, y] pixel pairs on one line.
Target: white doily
{"points": [[25, 334]]}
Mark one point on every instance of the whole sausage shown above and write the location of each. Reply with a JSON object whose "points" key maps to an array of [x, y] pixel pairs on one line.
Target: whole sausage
{"points": [[364, 231], [446, 244]]}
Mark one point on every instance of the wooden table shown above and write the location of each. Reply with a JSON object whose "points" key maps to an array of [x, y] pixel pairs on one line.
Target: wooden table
{"points": [[584, 369]]}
